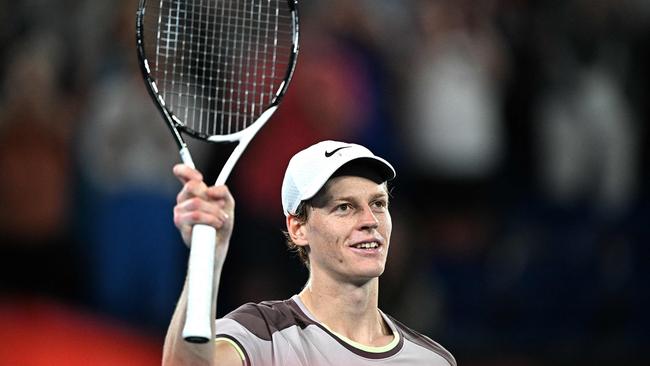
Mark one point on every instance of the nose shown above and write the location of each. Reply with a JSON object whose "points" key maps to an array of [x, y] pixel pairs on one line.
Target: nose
{"points": [[368, 220]]}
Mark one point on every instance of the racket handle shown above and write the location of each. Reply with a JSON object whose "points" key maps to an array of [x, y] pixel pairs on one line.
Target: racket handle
{"points": [[198, 322]]}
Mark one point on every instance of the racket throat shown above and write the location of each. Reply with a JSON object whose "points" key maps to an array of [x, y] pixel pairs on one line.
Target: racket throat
{"points": [[245, 137]]}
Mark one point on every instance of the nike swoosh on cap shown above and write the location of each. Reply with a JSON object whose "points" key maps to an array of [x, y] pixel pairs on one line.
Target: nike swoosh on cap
{"points": [[330, 153]]}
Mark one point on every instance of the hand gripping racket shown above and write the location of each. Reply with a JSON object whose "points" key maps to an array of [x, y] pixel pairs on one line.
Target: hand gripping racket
{"points": [[216, 70]]}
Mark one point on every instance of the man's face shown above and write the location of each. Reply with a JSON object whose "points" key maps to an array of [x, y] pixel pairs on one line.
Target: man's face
{"points": [[348, 229]]}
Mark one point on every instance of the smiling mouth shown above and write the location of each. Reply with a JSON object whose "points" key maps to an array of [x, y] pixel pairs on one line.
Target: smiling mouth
{"points": [[367, 246]]}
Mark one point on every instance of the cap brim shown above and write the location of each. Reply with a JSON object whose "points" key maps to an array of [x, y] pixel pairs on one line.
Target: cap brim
{"points": [[384, 172]]}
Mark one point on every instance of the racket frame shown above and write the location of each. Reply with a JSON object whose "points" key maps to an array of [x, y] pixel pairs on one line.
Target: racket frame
{"points": [[200, 282]]}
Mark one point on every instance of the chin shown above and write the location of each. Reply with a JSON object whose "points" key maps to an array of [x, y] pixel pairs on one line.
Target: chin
{"points": [[371, 273]]}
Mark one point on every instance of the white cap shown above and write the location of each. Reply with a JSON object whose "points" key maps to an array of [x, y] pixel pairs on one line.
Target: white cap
{"points": [[311, 168]]}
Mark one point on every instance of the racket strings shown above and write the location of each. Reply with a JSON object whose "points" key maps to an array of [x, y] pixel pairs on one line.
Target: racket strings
{"points": [[219, 64]]}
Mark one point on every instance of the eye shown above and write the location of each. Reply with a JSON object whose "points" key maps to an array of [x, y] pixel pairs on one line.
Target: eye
{"points": [[343, 207], [381, 204]]}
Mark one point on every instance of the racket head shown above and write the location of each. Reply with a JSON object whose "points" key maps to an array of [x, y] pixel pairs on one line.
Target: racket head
{"points": [[213, 67]]}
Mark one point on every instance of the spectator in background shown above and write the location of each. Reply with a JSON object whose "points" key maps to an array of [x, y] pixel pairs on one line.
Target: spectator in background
{"points": [[35, 161], [587, 135], [131, 254], [40, 277], [453, 131], [588, 143], [587, 150], [455, 126]]}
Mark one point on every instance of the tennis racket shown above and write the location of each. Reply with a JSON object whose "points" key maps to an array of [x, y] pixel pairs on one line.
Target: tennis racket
{"points": [[217, 70]]}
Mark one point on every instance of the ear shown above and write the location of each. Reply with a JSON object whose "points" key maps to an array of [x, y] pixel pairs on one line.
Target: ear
{"points": [[297, 230]]}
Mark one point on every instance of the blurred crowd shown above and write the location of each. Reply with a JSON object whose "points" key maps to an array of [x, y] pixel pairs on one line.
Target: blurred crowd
{"points": [[519, 130]]}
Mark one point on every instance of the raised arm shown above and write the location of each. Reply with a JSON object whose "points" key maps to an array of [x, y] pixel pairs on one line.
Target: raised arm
{"points": [[197, 203]]}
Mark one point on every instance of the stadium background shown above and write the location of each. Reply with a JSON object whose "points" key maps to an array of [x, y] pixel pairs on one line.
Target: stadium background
{"points": [[519, 130]]}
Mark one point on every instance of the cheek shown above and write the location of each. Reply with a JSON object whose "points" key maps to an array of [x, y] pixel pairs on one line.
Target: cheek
{"points": [[324, 231], [325, 242], [387, 226]]}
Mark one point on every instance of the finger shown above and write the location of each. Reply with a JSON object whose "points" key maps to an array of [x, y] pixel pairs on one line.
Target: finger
{"points": [[220, 193], [191, 189], [199, 204], [185, 173], [184, 220]]}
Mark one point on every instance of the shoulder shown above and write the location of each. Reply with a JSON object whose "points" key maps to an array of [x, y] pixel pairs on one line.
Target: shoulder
{"points": [[423, 341], [265, 318]]}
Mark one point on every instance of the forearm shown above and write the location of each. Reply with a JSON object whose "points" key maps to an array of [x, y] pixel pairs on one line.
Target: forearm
{"points": [[176, 350], [196, 204]]}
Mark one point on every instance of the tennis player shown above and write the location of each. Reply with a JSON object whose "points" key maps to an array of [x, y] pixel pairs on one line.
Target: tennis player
{"points": [[335, 200]]}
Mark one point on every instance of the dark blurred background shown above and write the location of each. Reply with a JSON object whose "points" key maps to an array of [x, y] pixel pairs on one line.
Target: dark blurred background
{"points": [[519, 130]]}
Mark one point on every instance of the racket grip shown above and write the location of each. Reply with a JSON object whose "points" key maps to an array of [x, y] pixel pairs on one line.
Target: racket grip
{"points": [[198, 322]]}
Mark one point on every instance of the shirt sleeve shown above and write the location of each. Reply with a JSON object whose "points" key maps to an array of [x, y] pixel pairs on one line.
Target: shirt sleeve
{"points": [[253, 350]]}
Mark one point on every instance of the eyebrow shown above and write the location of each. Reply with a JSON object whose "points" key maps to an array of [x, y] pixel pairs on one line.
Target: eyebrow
{"points": [[332, 199], [324, 198]]}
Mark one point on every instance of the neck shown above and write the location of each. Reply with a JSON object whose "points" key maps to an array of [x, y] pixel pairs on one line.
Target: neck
{"points": [[350, 310]]}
